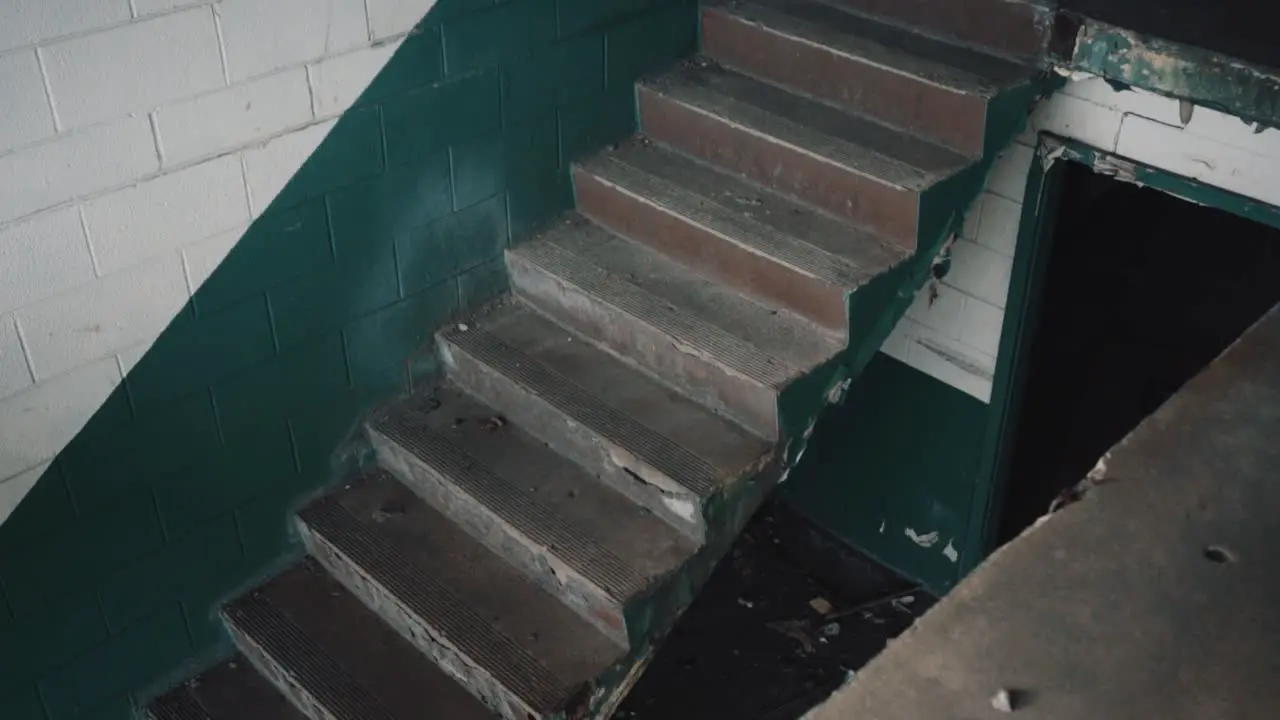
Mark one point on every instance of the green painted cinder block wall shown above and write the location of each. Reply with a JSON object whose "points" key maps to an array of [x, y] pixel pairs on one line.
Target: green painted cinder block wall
{"points": [[177, 492], [903, 452]]}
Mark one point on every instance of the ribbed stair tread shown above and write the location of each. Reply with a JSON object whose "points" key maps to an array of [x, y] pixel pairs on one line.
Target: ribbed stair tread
{"points": [[232, 690], [537, 647], [898, 49], [604, 536], [323, 639], [843, 138], [759, 219], [769, 346], [694, 447]]}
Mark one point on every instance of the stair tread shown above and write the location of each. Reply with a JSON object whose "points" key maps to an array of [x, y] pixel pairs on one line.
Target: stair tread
{"points": [[694, 447], [858, 143], [536, 646], [340, 653], [762, 220], [604, 536], [838, 29], [769, 346], [232, 690]]}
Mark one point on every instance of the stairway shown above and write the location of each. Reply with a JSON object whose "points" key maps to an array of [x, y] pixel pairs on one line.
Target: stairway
{"points": [[534, 525]]}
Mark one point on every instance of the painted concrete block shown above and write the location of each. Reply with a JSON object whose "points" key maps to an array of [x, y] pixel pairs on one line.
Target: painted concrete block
{"points": [[980, 272], [42, 256], [481, 38], [233, 117], [1234, 132], [150, 7], [392, 17], [15, 376], [1009, 176], [938, 306], [980, 325], [27, 22], [94, 159], [337, 82], [134, 68], [37, 423], [104, 317], [202, 257], [260, 37], [973, 219], [269, 168], [139, 222], [1171, 149], [1084, 120], [951, 361], [999, 218], [27, 114], [14, 489]]}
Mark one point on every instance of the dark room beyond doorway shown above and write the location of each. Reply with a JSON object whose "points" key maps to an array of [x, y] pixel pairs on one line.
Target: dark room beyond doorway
{"points": [[1142, 290]]}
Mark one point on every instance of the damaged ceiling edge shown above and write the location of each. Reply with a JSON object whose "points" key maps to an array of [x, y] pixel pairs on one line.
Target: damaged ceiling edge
{"points": [[1183, 72]]}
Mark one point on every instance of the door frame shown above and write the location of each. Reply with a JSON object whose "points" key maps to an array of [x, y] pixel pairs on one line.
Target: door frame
{"points": [[1030, 264]]}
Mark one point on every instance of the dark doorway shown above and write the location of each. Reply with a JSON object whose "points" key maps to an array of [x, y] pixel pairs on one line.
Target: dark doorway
{"points": [[1141, 291]]}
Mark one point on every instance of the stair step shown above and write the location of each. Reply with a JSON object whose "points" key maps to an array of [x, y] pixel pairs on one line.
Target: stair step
{"points": [[655, 446], [232, 690], [335, 659], [927, 87], [580, 540], [518, 648], [1017, 29], [719, 347], [845, 163], [740, 233]]}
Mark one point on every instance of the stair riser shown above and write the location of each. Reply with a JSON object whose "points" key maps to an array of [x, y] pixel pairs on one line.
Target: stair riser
{"points": [[414, 628], [951, 118], [711, 253], [621, 470], [536, 561], [1007, 27], [266, 665], [886, 209], [711, 384]]}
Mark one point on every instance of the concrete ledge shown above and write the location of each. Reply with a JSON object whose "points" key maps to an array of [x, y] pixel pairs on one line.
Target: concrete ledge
{"points": [[1155, 596]]}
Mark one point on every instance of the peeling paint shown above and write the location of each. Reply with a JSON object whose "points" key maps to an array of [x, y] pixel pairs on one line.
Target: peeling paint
{"points": [[926, 541], [1117, 167], [683, 507], [950, 551], [1175, 70]]}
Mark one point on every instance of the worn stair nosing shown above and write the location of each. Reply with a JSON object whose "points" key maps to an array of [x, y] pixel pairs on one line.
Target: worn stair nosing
{"points": [[177, 705], [689, 331], [524, 515], [449, 617], [746, 117], [687, 470], [749, 234], [311, 676]]}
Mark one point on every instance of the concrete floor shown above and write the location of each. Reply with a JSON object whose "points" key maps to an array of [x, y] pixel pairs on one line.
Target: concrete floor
{"points": [[1154, 596]]}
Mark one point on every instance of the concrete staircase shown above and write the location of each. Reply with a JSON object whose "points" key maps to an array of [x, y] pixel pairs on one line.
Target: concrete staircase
{"points": [[534, 526]]}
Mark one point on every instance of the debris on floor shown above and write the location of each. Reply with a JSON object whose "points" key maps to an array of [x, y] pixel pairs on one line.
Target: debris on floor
{"points": [[788, 615]]}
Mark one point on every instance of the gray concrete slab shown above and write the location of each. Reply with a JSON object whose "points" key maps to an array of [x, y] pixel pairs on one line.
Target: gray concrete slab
{"points": [[1155, 596]]}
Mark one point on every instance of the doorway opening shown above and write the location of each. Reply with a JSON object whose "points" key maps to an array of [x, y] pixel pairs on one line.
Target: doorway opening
{"points": [[1141, 291]]}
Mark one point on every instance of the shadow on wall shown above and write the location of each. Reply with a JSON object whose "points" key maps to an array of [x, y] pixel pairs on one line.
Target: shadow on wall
{"points": [[178, 490]]}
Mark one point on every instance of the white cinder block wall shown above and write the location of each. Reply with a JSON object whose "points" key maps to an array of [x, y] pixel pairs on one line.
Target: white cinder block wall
{"points": [[955, 338], [138, 139]]}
